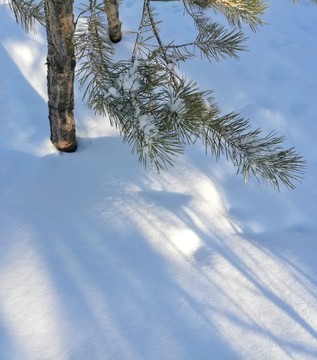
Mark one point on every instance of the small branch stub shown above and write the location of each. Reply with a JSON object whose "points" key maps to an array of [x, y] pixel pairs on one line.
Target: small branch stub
{"points": [[114, 23]]}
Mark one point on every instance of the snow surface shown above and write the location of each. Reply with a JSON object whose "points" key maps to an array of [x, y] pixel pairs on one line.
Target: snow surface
{"points": [[101, 259]]}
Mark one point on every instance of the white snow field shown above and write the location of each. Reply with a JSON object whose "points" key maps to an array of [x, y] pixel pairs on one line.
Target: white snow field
{"points": [[101, 259]]}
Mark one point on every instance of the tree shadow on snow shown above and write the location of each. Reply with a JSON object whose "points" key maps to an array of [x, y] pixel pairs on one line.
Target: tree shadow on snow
{"points": [[23, 118], [90, 282], [111, 261]]}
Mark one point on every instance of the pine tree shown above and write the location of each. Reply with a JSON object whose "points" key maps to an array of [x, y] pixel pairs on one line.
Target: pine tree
{"points": [[61, 63], [156, 109], [58, 19]]}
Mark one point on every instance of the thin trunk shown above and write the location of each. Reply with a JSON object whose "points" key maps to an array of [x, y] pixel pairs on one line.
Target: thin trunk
{"points": [[60, 75], [114, 23]]}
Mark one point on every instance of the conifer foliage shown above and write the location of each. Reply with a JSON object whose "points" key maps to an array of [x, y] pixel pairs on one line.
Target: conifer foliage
{"points": [[156, 109]]}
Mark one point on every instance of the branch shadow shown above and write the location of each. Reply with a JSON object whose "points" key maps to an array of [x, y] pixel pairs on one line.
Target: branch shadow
{"points": [[89, 280]]}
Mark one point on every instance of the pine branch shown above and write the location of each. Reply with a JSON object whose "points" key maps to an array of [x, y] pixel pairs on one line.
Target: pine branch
{"points": [[185, 116], [162, 50], [214, 41], [237, 12], [262, 157], [158, 113], [94, 52], [144, 28], [28, 12]]}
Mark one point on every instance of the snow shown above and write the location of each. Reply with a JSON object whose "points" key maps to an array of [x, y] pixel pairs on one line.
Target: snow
{"points": [[101, 259], [177, 105], [113, 92], [129, 81]]}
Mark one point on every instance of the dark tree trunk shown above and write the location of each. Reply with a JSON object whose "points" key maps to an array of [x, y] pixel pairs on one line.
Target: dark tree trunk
{"points": [[60, 75], [114, 23]]}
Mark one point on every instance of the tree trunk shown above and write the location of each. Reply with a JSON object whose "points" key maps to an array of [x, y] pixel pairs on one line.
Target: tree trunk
{"points": [[61, 71], [114, 23]]}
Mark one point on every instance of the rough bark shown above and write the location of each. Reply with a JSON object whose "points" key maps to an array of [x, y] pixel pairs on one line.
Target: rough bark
{"points": [[61, 71], [114, 23]]}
